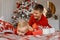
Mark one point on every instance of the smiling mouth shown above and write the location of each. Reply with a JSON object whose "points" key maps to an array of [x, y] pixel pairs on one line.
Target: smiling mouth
{"points": [[35, 16]]}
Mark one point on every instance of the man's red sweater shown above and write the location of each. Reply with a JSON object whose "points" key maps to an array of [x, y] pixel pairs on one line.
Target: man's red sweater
{"points": [[42, 22]]}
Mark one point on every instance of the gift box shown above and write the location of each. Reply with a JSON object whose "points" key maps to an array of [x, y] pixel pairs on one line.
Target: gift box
{"points": [[46, 31], [52, 30], [6, 27], [35, 26], [37, 32], [36, 29]]}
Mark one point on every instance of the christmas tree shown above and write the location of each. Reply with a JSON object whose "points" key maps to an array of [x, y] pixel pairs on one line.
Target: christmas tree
{"points": [[22, 11]]}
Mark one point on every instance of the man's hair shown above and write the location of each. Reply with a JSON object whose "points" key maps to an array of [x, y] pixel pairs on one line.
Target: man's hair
{"points": [[39, 7]]}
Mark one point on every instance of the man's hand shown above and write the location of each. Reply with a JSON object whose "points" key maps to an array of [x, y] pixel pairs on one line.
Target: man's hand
{"points": [[30, 28]]}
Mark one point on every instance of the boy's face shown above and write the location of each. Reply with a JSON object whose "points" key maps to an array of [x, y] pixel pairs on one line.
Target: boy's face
{"points": [[37, 14]]}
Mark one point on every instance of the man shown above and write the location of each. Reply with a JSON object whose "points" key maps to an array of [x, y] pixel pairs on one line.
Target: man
{"points": [[38, 18]]}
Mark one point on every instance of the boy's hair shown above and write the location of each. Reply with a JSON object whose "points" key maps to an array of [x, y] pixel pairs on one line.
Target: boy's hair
{"points": [[39, 7]]}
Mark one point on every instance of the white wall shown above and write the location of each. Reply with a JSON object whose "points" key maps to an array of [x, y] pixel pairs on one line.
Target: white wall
{"points": [[0, 8], [7, 9]]}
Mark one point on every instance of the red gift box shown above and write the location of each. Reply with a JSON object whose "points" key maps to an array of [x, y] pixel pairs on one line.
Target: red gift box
{"points": [[37, 32], [35, 26], [5, 26]]}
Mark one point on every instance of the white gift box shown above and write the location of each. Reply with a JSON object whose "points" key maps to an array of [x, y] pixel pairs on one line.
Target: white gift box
{"points": [[52, 30], [48, 30]]}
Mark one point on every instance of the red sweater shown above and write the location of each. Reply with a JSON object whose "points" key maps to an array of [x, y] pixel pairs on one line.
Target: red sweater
{"points": [[42, 22]]}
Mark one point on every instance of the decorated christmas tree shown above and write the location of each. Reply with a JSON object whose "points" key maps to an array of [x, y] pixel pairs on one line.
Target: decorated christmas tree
{"points": [[22, 11]]}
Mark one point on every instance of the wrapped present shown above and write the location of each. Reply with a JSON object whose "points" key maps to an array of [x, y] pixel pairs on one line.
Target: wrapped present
{"points": [[35, 26], [6, 27], [52, 30], [37, 32], [48, 30]]}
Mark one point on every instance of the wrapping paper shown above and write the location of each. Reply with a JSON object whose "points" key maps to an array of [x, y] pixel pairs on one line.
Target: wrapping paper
{"points": [[54, 36], [6, 27]]}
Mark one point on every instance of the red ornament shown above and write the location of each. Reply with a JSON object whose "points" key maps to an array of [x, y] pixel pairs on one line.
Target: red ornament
{"points": [[18, 6], [33, 2], [27, 8]]}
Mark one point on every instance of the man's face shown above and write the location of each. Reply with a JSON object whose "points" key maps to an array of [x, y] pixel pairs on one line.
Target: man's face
{"points": [[37, 14]]}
